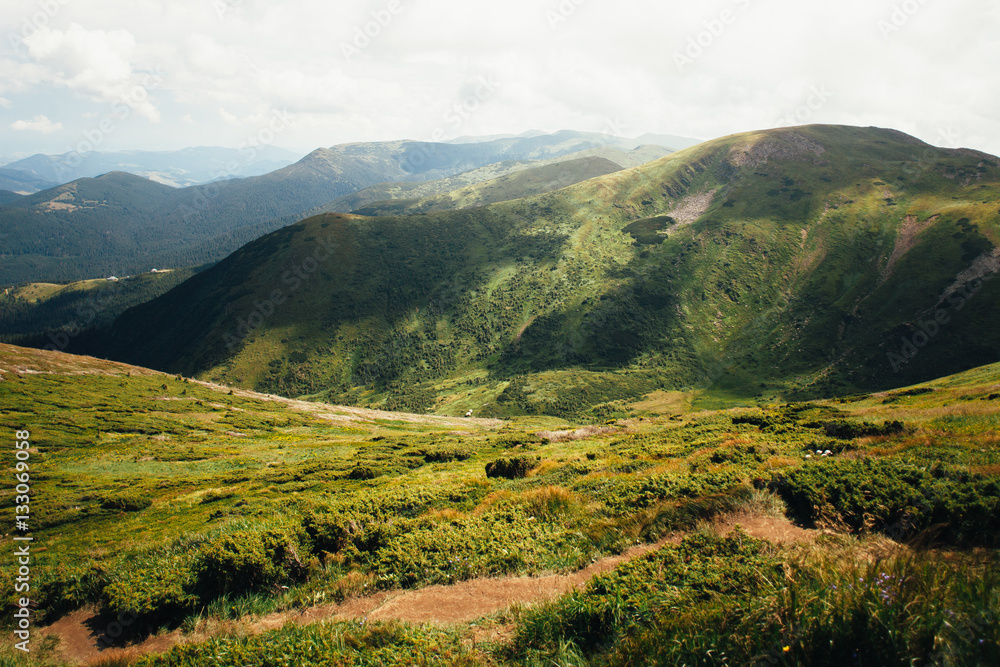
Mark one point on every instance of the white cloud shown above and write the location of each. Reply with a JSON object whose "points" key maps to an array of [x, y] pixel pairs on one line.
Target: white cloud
{"points": [[604, 61], [5, 103], [94, 62], [37, 124]]}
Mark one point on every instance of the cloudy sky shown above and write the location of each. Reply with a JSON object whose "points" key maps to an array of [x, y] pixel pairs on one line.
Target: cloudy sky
{"points": [[163, 75]]}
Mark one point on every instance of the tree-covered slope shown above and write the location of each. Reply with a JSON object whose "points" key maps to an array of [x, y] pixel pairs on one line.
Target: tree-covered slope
{"points": [[797, 261], [118, 223], [43, 314]]}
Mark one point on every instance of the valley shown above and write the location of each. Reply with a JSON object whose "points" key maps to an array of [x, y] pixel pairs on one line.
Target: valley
{"points": [[735, 404]]}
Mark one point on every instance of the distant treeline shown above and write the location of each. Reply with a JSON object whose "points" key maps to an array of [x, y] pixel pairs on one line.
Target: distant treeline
{"points": [[76, 309]]}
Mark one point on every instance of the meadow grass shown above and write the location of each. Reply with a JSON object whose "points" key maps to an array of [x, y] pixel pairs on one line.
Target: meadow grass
{"points": [[199, 509]]}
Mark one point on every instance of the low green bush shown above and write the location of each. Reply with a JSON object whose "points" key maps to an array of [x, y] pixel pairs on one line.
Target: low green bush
{"points": [[160, 587], [616, 604], [446, 455], [324, 644], [512, 468], [128, 501], [845, 430], [830, 613], [247, 560], [896, 498]]}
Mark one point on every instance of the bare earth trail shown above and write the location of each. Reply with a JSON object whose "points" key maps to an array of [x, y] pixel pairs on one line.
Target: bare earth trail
{"points": [[457, 603]]}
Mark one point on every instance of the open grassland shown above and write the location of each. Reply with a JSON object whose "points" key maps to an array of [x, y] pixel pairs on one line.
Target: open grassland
{"points": [[190, 510]]}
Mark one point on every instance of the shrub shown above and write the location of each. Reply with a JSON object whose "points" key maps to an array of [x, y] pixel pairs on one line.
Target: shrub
{"points": [[446, 455], [845, 430], [362, 472], [329, 531], [160, 587], [700, 568], [247, 560], [513, 468], [129, 501], [894, 497]]}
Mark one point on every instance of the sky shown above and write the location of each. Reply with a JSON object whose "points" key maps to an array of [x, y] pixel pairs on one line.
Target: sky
{"points": [[114, 75]]}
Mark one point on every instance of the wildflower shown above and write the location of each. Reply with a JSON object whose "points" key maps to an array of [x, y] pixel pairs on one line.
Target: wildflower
{"points": [[787, 649]]}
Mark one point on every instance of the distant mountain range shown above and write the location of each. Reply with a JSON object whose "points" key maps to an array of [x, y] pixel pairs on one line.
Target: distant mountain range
{"points": [[191, 166], [391, 192], [118, 223], [23, 182], [798, 262]]}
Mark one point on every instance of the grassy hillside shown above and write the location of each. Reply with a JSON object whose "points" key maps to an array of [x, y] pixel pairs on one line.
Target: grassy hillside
{"points": [[16, 180], [526, 183], [795, 262], [190, 509], [123, 224], [419, 190], [43, 314], [6, 196]]}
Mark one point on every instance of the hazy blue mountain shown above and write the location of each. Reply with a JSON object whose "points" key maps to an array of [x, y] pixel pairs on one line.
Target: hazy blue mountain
{"points": [[122, 224], [23, 182], [190, 166]]}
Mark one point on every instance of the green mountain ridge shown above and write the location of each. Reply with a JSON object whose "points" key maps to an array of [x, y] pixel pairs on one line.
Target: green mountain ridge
{"points": [[518, 185], [794, 262], [118, 223], [423, 189]]}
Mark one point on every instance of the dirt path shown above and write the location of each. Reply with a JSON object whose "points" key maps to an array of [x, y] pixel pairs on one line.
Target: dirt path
{"points": [[457, 603]]}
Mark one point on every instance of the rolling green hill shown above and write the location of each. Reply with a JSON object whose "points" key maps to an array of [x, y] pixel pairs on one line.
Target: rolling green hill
{"points": [[423, 189], [42, 314], [6, 196], [24, 182], [525, 183], [796, 262], [118, 223]]}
